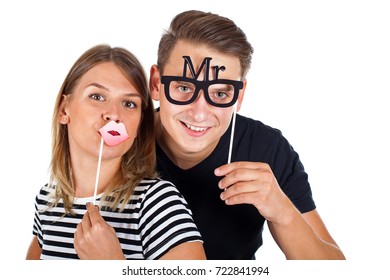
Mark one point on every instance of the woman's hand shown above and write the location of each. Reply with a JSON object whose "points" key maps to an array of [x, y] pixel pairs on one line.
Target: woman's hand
{"points": [[94, 239]]}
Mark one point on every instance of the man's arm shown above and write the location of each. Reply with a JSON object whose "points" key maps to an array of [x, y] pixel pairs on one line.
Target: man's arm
{"points": [[305, 236], [300, 236]]}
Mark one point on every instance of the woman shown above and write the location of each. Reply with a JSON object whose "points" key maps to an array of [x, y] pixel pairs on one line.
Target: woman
{"points": [[140, 216]]}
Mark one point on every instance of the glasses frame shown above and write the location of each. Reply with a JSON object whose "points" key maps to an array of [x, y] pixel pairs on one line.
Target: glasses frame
{"points": [[201, 85]]}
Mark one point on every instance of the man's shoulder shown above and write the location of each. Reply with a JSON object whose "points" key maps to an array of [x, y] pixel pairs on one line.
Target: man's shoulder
{"points": [[251, 126]]}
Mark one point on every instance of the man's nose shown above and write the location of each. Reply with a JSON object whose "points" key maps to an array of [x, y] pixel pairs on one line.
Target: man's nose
{"points": [[200, 107]]}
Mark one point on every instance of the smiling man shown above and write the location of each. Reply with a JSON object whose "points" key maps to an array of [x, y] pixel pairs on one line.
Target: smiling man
{"points": [[199, 80]]}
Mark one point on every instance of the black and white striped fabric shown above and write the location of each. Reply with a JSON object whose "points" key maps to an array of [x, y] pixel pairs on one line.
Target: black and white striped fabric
{"points": [[155, 220]]}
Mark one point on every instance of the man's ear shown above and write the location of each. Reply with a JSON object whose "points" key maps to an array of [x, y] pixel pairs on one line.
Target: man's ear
{"points": [[241, 96], [63, 117], [154, 83]]}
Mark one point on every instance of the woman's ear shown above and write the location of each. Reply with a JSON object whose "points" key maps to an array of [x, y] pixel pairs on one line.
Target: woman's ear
{"points": [[154, 83], [63, 117]]}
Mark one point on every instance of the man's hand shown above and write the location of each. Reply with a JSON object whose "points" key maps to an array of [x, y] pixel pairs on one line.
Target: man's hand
{"points": [[254, 183]]}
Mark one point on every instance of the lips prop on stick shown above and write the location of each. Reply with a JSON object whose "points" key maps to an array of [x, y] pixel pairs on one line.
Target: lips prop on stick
{"points": [[113, 134]]}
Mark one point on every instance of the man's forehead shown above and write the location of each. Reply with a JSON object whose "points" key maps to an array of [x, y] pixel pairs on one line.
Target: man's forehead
{"points": [[198, 53], [188, 66]]}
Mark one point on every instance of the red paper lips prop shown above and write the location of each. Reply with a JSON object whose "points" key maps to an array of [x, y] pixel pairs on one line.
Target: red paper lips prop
{"points": [[113, 133]]}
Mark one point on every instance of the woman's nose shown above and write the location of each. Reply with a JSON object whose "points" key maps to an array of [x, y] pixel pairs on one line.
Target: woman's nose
{"points": [[109, 117], [111, 114]]}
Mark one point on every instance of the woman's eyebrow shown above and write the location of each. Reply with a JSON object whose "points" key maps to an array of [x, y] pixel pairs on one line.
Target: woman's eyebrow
{"points": [[97, 85], [135, 94]]}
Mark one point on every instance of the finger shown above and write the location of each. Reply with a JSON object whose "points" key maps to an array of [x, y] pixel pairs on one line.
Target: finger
{"points": [[86, 222], [78, 236], [79, 239], [242, 198], [239, 188], [228, 168], [79, 230], [239, 175], [94, 214], [84, 226]]}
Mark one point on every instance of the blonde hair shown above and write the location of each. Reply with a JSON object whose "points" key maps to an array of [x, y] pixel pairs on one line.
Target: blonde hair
{"points": [[139, 161]]}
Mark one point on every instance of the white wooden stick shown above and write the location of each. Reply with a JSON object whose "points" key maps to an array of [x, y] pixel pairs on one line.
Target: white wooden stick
{"points": [[98, 170], [232, 133]]}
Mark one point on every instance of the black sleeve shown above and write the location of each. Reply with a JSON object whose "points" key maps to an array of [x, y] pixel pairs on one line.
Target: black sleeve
{"points": [[291, 176]]}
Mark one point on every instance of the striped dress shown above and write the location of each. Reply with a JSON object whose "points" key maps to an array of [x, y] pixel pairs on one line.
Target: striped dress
{"points": [[156, 219]]}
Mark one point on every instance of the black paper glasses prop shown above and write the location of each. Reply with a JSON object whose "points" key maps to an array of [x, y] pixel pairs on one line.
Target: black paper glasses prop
{"points": [[182, 90]]}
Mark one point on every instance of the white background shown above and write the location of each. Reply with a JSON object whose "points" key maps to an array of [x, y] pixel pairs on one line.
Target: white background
{"points": [[320, 74]]}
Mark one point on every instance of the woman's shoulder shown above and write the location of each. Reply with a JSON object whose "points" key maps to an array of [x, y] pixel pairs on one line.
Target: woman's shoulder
{"points": [[155, 185], [154, 190], [47, 190], [45, 196]]}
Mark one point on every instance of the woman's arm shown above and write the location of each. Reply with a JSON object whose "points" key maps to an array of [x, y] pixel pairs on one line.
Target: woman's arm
{"points": [[34, 251], [186, 251]]}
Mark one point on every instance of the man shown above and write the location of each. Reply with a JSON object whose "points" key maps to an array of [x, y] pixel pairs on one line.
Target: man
{"points": [[199, 81]]}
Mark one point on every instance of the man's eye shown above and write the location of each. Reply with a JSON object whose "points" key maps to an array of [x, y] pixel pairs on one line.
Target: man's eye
{"points": [[221, 94], [184, 89]]}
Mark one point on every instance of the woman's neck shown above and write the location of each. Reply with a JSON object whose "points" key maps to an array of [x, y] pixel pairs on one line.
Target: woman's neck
{"points": [[84, 172]]}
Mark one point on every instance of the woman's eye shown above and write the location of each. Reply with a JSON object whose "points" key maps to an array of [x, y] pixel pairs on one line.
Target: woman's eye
{"points": [[129, 104], [97, 97]]}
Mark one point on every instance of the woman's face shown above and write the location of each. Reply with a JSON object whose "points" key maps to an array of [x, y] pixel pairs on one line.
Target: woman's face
{"points": [[103, 94]]}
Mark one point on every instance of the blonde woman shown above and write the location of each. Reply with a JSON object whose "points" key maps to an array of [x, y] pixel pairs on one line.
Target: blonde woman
{"points": [[138, 215]]}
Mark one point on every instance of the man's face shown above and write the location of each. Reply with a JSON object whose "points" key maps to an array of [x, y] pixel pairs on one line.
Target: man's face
{"points": [[194, 129]]}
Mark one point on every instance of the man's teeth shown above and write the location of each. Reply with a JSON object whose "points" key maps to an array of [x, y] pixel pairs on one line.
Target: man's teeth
{"points": [[194, 128]]}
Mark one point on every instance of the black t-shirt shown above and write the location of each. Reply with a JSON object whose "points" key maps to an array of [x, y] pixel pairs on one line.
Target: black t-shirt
{"points": [[235, 231]]}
